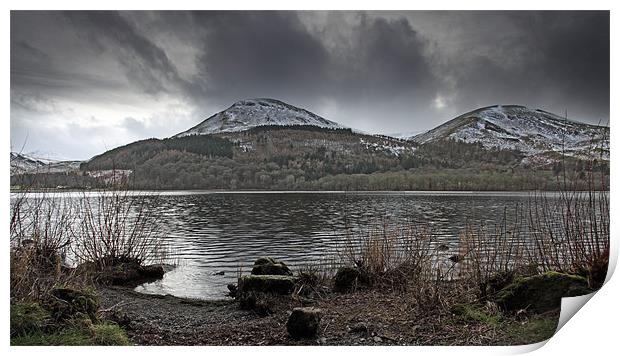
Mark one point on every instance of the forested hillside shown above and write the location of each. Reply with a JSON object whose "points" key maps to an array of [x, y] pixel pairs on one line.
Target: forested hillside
{"points": [[268, 144], [313, 158]]}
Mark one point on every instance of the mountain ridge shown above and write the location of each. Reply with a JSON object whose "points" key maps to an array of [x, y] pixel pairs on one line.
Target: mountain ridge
{"points": [[517, 127], [26, 163], [249, 113]]}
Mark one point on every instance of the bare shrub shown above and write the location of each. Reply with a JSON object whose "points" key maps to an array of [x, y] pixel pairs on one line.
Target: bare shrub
{"points": [[40, 239], [51, 233], [115, 227]]}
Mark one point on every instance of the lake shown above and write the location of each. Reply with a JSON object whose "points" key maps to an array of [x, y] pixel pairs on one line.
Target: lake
{"points": [[213, 235]]}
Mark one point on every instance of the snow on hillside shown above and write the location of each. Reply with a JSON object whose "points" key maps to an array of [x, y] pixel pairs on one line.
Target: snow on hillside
{"points": [[389, 146], [246, 114], [22, 163], [532, 132]]}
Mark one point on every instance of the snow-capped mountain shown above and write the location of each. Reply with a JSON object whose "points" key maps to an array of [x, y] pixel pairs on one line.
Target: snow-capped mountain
{"points": [[22, 163], [514, 127], [246, 114]]}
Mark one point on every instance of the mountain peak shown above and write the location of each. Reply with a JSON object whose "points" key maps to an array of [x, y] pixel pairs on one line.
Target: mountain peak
{"points": [[248, 113], [516, 127]]}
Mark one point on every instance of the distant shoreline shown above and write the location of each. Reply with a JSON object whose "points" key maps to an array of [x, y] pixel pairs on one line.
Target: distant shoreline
{"points": [[264, 191]]}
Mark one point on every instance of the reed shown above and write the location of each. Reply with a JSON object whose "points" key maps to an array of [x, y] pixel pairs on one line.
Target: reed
{"points": [[566, 232], [40, 240], [53, 233], [400, 258]]}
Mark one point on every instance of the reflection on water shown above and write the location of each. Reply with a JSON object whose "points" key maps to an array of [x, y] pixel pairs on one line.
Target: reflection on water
{"points": [[213, 235]]}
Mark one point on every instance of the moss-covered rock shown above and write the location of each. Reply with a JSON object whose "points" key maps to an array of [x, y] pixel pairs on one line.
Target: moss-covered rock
{"points": [[271, 284], [495, 283], [67, 303], [258, 292], [125, 273], [542, 292], [304, 323], [28, 318], [269, 266], [262, 304]]}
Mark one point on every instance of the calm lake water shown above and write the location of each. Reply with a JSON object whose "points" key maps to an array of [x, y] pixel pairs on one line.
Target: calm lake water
{"points": [[214, 234]]}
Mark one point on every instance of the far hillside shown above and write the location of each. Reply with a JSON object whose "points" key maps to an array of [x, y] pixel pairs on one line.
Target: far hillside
{"points": [[495, 148]]}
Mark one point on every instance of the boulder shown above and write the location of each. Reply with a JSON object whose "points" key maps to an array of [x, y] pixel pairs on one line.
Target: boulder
{"points": [[271, 284], [348, 278], [264, 260], [262, 304], [118, 316], [259, 293], [129, 273], [495, 283], [232, 289], [152, 271], [542, 292], [269, 266], [67, 303], [304, 323]]}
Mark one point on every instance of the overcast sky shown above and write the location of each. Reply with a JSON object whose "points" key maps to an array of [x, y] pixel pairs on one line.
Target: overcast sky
{"points": [[85, 82]]}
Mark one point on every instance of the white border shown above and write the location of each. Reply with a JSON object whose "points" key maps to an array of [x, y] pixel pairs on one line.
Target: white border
{"points": [[592, 330]]}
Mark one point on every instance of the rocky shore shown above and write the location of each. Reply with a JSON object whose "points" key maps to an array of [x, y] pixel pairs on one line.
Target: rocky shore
{"points": [[261, 313]]}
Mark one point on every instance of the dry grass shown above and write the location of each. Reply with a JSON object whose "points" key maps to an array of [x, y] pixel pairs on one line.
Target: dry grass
{"points": [[40, 241], [51, 233], [567, 232], [401, 258]]}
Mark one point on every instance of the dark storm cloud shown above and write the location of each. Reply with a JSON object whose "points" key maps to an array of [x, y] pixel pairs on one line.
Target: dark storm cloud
{"points": [[254, 54], [157, 73], [387, 57], [145, 63], [554, 60]]}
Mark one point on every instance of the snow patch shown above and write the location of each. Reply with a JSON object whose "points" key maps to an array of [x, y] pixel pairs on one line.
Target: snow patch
{"points": [[247, 114], [532, 132]]}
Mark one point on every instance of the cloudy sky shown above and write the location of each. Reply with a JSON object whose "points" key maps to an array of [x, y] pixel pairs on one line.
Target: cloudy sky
{"points": [[85, 82]]}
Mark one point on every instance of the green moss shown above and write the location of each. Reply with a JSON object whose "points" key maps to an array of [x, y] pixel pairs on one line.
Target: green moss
{"points": [[542, 292], [28, 318], [68, 337], [108, 334], [533, 331], [76, 335], [469, 313], [67, 303]]}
